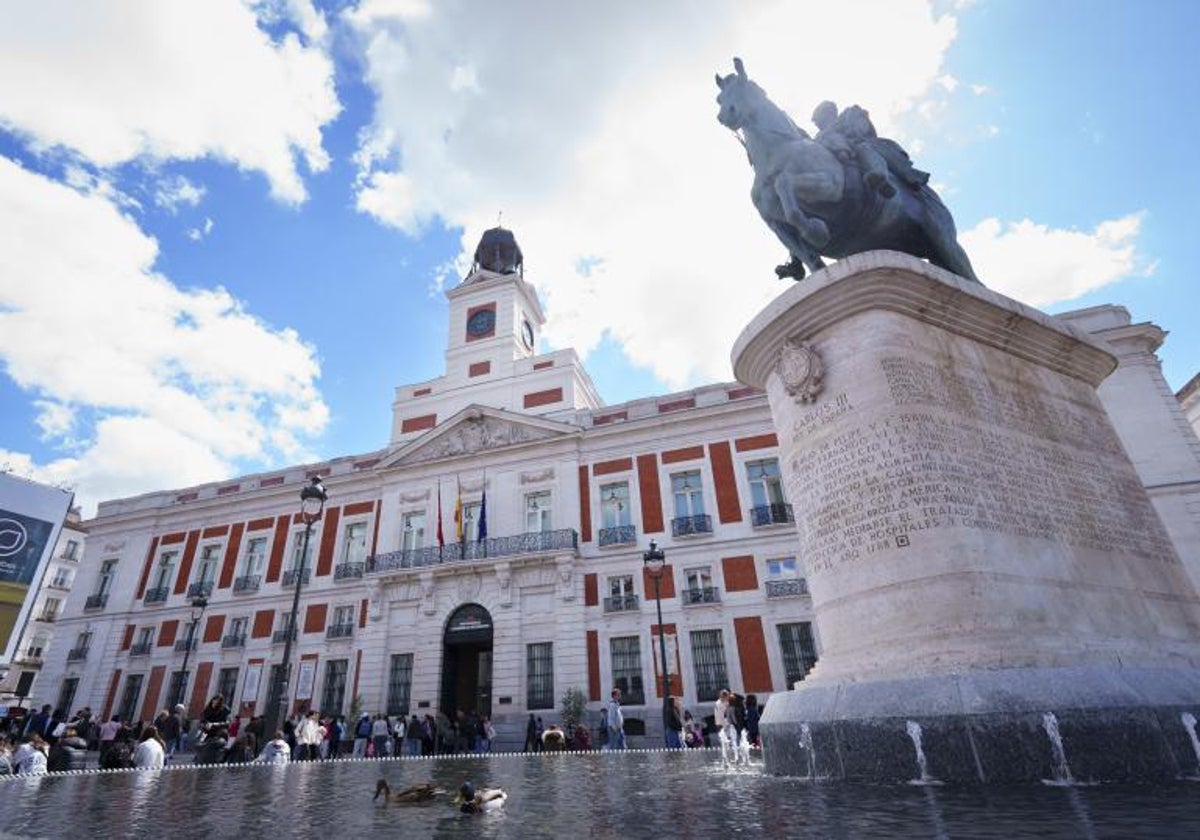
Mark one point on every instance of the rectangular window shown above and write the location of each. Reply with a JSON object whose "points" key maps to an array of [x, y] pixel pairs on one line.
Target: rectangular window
{"points": [[166, 565], [227, 685], [333, 697], [708, 656], [256, 556], [145, 637], [688, 493], [413, 534], [782, 568], [66, 694], [62, 579], [620, 585], [354, 543], [71, 551], [108, 572], [276, 672], [237, 627], [627, 669], [537, 512], [176, 690], [614, 505], [298, 550], [83, 641], [50, 609], [470, 514], [129, 697], [539, 675], [400, 684], [766, 486], [343, 616], [210, 559], [799, 651]]}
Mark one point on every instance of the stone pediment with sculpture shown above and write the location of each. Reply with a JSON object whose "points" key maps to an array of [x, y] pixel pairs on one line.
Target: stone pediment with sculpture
{"points": [[477, 430]]}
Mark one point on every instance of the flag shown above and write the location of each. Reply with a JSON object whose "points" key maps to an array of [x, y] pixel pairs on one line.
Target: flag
{"points": [[441, 538], [458, 515], [483, 518]]}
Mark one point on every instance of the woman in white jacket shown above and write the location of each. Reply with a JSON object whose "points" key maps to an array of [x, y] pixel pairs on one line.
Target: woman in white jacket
{"points": [[151, 752]]}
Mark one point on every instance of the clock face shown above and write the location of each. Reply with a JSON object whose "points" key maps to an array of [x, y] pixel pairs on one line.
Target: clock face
{"points": [[481, 323], [527, 333]]}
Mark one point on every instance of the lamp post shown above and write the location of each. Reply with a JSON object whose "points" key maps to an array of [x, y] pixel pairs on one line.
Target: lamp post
{"points": [[655, 560], [197, 612], [312, 504]]}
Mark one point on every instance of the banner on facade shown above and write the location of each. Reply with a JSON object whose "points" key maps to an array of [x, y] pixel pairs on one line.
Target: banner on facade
{"points": [[672, 641], [308, 673], [31, 516], [250, 688]]}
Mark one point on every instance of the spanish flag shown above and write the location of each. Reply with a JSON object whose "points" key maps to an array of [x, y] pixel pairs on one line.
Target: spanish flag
{"points": [[458, 515]]}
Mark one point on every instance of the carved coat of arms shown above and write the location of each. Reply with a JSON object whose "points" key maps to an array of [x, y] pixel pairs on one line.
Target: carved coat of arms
{"points": [[801, 370]]}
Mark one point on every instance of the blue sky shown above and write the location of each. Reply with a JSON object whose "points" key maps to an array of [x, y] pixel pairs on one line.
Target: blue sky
{"points": [[225, 227]]}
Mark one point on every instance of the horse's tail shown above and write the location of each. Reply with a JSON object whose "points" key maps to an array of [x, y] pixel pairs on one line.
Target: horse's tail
{"points": [[382, 787]]}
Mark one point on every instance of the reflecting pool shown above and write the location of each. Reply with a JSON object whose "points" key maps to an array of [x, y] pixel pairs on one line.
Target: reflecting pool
{"points": [[623, 796]]}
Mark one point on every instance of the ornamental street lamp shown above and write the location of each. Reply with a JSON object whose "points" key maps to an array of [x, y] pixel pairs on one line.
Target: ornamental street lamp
{"points": [[655, 560], [312, 504], [197, 612]]}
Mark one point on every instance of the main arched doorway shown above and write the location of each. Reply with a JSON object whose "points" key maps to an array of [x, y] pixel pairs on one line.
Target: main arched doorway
{"points": [[467, 662]]}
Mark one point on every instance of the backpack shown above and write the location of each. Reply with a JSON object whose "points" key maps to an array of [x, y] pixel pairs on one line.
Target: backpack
{"points": [[364, 728]]}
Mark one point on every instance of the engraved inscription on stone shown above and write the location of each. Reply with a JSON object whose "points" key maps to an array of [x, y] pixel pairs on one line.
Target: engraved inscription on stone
{"points": [[965, 452]]}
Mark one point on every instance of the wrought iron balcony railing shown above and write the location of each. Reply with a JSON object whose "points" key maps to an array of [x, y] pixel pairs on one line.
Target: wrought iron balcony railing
{"points": [[621, 603], [61, 586], [96, 602], [158, 595], [281, 636], [200, 589], [777, 514], [186, 644], [233, 641], [787, 588], [535, 542], [77, 654], [700, 595], [289, 577], [349, 571], [691, 526], [71, 555], [247, 583], [141, 649], [339, 631], [618, 535]]}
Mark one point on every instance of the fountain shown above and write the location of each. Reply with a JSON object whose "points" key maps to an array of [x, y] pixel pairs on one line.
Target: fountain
{"points": [[1189, 723], [914, 732], [806, 744], [1062, 771]]}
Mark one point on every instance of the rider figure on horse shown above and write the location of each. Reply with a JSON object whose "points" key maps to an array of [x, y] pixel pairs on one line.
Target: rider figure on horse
{"points": [[851, 136]]}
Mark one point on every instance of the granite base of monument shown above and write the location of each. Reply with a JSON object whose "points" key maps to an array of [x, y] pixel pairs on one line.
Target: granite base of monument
{"points": [[993, 590]]}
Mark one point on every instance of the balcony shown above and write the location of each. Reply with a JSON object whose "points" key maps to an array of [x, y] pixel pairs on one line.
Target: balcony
{"points": [[281, 636], [691, 526], [185, 645], [77, 654], [349, 571], [234, 641], [200, 589], [96, 602], [141, 649], [48, 617], [536, 542], [32, 659], [289, 577], [777, 514], [61, 586], [619, 535], [71, 555], [787, 588], [339, 631], [700, 595], [247, 583], [621, 603], [156, 596]]}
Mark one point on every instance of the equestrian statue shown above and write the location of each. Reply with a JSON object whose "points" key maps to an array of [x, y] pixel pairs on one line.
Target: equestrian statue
{"points": [[843, 192]]}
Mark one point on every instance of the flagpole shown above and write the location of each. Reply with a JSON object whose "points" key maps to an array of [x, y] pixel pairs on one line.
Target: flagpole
{"points": [[481, 533]]}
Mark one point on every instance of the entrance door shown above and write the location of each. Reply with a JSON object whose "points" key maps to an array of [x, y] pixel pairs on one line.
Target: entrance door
{"points": [[467, 662]]}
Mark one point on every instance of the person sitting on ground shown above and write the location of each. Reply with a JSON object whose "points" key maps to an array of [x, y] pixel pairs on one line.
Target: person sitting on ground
{"points": [[69, 753], [30, 757], [277, 751], [151, 751]]}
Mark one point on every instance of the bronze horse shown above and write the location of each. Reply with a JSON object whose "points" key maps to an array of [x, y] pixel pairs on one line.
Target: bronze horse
{"points": [[819, 205]]}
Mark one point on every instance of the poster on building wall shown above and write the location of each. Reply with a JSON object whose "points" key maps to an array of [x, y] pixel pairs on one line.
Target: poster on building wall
{"points": [[672, 660], [308, 672], [31, 516], [250, 689]]}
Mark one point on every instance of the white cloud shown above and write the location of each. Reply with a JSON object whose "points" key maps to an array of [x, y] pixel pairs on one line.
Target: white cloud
{"points": [[173, 191], [1039, 265], [154, 80], [180, 386], [597, 137], [196, 234]]}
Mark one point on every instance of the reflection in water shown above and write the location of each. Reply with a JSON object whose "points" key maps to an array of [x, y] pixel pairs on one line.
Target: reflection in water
{"points": [[622, 796]]}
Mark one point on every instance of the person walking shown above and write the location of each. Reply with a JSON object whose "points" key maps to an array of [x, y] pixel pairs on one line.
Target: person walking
{"points": [[362, 734], [530, 735], [616, 722], [413, 736], [308, 737], [380, 736], [674, 724], [150, 753], [108, 735]]}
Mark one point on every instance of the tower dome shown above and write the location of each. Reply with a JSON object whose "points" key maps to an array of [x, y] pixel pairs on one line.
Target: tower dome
{"points": [[498, 251]]}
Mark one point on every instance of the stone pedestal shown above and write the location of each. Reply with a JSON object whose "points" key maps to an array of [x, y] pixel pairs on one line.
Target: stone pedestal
{"points": [[978, 546]]}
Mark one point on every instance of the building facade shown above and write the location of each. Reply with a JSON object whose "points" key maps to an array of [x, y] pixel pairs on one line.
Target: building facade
{"points": [[544, 501], [48, 609]]}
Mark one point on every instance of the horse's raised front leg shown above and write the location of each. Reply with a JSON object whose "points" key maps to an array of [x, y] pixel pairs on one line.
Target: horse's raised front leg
{"points": [[790, 189]]}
